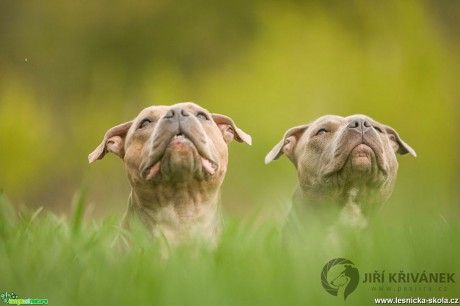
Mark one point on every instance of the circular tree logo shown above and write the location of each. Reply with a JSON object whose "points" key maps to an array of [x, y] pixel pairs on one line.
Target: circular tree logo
{"points": [[340, 277]]}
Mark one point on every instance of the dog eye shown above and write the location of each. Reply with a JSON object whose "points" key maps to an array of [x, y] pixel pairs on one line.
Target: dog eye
{"points": [[202, 116], [144, 123], [322, 132], [377, 129]]}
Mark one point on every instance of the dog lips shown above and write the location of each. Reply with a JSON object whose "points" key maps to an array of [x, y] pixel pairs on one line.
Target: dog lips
{"points": [[208, 166], [362, 157], [153, 171]]}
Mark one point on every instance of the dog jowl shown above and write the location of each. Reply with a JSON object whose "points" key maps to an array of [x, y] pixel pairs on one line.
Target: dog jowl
{"points": [[175, 159], [348, 161]]}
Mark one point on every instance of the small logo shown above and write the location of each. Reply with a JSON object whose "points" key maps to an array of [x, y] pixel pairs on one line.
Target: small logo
{"points": [[12, 299], [340, 277], [7, 296]]}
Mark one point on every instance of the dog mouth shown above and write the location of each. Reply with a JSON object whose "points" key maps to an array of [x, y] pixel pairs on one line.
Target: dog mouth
{"points": [[361, 157], [208, 165]]}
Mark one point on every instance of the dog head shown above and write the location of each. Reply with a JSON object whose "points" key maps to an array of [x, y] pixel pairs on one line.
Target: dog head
{"points": [[336, 156], [170, 148]]}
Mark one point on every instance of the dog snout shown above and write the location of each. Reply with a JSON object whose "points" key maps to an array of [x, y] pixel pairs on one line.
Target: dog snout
{"points": [[360, 125], [176, 113]]}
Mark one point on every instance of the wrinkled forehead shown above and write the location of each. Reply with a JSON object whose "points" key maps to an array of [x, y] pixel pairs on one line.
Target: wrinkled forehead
{"points": [[157, 111], [328, 120], [339, 120], [360, 116]]}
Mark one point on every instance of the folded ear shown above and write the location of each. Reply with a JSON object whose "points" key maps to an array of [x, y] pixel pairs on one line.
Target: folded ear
{"points": [[229, 130], [114, 141], [287, 143], [399, 145]]}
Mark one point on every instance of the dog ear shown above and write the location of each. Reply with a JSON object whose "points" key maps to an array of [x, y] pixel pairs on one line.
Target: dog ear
{"points": [[399, 145], [229, 130], [114, 141], [287, 143]]}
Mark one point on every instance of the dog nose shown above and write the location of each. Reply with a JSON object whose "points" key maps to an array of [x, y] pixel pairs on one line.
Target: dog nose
{"points": [[184, 113], [360, 124], [179, 112]]}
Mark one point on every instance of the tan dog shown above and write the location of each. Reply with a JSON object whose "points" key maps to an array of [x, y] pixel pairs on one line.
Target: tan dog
{"points": [[348, 162], [175, 158]]}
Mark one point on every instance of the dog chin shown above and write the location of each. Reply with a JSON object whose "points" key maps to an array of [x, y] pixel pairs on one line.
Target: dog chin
{"points": [[361, 165], [361, 159], [181, 159]]}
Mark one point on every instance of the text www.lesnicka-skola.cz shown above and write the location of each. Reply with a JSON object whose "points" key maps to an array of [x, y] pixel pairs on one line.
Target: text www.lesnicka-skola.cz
{"points": [[417, 301]]}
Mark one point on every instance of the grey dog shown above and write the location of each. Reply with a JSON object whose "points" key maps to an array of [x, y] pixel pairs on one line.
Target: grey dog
{"points": [[349, 162], [175, 159]]}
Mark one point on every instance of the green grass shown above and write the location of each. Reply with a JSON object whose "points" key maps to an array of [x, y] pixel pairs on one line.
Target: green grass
{"points": [[71, 262]]}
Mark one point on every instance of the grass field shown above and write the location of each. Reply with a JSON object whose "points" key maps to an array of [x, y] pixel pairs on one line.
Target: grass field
{"points": [[70, 262]]}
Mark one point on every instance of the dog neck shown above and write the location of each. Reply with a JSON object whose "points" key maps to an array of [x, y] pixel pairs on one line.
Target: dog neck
{"points": [[351, 210], [352, 213], [178, 216]]}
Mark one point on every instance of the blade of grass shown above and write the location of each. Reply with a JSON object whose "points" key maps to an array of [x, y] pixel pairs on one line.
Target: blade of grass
{"points": [[78, 205]]}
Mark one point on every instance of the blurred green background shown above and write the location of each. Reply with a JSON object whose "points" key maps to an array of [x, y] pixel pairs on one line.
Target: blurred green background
{"points": [[71, 70]]}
